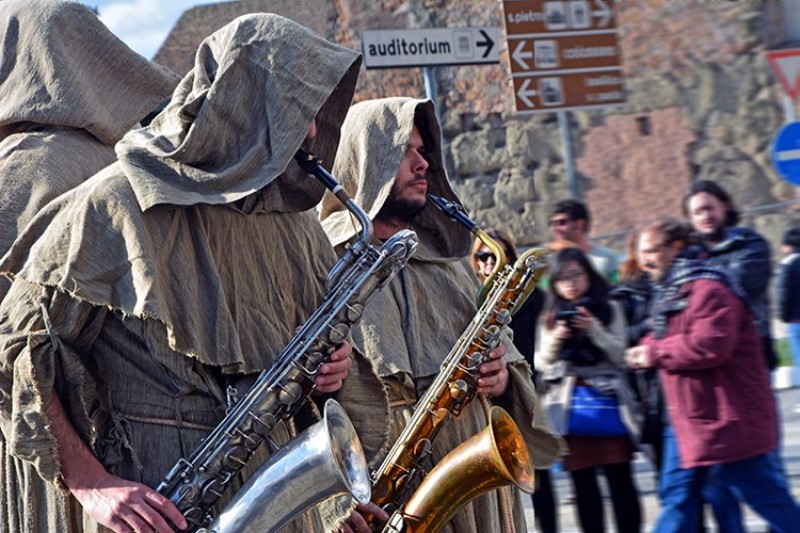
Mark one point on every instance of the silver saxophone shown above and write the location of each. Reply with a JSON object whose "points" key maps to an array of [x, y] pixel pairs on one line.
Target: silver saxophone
{"points": [[198, 481]]}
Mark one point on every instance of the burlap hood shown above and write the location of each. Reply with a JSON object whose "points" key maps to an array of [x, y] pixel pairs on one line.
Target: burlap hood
{"points": [[236, 120], [61, 66], [229, 281], [375, 135]]}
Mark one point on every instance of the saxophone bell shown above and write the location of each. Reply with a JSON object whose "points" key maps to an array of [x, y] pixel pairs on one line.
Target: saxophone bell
{"points": [[495, 457], [325, 460]]}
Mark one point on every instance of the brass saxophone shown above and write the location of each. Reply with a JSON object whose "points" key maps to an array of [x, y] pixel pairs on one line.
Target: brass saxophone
{"points": [[456, 384], [197, 482]]}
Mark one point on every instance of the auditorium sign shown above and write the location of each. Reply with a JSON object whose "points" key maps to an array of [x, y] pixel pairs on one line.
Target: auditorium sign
{"points": [[429, 47], [563, 54]]}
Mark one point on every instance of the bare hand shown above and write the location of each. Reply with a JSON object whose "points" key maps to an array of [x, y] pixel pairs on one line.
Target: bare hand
{"points": [[583, 320], [358, 524], [562, 331], [335, 371], [494, 373], [125, 506], [638, 357]]}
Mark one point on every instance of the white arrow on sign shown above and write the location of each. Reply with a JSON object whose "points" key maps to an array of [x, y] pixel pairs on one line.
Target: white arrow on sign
{"points": [[520, 56], [604, 13], [787, 155], [524, 93]]}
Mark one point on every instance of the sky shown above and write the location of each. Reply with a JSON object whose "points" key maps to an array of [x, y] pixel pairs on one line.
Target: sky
{"points": [[141, 24]]}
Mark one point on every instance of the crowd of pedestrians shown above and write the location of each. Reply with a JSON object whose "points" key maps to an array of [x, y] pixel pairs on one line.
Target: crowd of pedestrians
{"points": [[162, 244], [677, 334]]}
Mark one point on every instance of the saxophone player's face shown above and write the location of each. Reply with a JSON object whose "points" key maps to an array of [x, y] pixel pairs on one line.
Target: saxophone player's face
{"points": [[411, 184]]}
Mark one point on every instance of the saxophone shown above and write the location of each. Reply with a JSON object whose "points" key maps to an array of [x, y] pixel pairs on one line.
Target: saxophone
{"points": [[196, 483], [455, 386]]}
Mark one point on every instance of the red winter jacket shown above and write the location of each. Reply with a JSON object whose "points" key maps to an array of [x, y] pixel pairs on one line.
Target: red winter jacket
{"points": [[716, 386]]}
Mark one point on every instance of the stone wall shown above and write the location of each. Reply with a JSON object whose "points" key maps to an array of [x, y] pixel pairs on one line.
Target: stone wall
{"points": [[702, 103]]}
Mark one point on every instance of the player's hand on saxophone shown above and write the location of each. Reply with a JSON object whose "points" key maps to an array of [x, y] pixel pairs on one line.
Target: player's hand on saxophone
{"points": [[494, 376], [358, 524], [333, 372]]}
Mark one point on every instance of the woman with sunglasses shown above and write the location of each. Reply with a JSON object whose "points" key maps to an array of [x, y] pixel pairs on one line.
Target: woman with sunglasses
{"points": [[524, 327], [582, 339]]}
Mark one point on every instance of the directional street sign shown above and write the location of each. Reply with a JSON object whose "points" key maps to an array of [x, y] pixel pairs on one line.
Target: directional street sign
{"points": [[429, 47], [564, 54], [786, 152], [786, 65]]}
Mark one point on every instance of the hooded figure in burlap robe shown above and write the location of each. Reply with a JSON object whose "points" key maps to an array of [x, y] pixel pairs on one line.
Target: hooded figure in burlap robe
{"points": [[69, 90], [410, 327], [167, 281]]}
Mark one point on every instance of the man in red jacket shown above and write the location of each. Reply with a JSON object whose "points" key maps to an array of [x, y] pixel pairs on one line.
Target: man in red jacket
{"points": [[720, 406]]}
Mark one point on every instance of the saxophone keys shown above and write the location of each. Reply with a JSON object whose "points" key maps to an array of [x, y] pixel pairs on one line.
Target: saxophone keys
{"points": [[422, 451], [212, 491], [459, 389], [194, 515], [290, 393], [503, 317], [338, 333], [354, 312], [236, 458]]}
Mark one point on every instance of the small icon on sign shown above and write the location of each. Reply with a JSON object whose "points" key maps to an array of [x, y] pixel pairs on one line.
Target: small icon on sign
{"points": [[579, 14], [545, 53], [550, 91], [555, 16], [463, 42]]}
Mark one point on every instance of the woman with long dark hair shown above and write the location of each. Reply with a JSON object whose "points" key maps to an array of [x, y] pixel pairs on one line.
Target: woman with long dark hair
{"points": [[582, 339]]}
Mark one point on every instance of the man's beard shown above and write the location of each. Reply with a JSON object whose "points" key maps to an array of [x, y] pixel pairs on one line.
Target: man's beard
{"points": [[398, 208], [715, 235], [401, 209]]}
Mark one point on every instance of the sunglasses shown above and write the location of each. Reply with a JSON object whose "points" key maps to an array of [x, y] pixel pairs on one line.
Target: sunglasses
{"points": [[484, 256]]}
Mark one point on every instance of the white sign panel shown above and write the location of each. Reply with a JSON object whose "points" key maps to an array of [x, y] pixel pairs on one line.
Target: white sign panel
{"points": [[429, 47]]}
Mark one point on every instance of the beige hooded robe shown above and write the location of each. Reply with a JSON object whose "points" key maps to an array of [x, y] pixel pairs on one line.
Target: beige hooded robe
{"points": [[69, 90], [182, 269], [410, 327]]}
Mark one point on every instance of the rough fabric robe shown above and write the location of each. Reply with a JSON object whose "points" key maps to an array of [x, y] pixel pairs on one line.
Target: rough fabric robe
{"points": [[410, 327], [58, 127], [181, 269]]}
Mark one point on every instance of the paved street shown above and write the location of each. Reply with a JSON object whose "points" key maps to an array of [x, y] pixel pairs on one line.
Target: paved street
{"points": [[645, 479]]}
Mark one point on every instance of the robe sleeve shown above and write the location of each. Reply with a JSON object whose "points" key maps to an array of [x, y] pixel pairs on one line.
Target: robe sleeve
{"points": [[522, 403], [34, 362]]}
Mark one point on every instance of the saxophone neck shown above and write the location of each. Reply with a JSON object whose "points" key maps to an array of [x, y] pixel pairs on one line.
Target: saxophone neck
{"points": [[311, 165], [456, 212]]}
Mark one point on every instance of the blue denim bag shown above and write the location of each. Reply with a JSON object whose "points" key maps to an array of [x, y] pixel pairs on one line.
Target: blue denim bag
{"points": [[594, 414]]}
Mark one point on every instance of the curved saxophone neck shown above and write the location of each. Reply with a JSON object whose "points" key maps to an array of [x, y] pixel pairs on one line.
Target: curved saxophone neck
{"points": [[532, 266], [456, 212], [311, 165]]}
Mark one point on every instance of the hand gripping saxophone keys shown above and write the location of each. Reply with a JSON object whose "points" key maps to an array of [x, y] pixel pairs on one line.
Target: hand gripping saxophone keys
{"points": [[456, 384], [197, 482]]}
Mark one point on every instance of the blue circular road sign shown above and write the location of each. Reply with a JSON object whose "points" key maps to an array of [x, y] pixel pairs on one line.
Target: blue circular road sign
{"points": [[786, 152]]}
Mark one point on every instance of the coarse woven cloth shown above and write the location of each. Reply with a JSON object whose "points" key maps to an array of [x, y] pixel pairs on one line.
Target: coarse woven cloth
{"points": [[200, 234], [152, 236], [409, 328], [69, 90]]}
